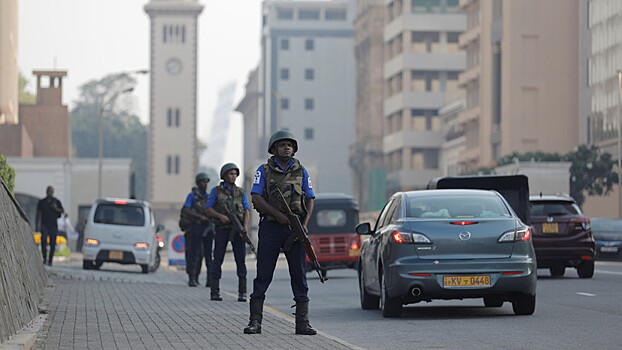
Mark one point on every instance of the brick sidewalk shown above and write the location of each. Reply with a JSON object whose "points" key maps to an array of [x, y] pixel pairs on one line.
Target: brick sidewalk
{"points": [[92, 314]]}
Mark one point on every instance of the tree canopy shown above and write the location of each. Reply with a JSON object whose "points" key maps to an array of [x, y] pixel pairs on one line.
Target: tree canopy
{"points": [[591, 170], [124, 136], [25, 97]]}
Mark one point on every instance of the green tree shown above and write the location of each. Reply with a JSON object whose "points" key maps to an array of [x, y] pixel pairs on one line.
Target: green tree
{"points": [[124, 136], [591, 172], [7, 173], [25, 97]]}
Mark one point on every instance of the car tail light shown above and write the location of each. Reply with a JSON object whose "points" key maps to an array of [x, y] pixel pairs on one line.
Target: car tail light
{"points": [[581, 223], [587, 257], [142, 245], [407, 237], [464, 223], [420, 274], [354, 246], [92, 241], [513, 273], [120, 201], [523, 234]]}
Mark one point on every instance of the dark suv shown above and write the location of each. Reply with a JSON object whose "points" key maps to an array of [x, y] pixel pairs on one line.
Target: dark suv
{"points": [[562, 236]]}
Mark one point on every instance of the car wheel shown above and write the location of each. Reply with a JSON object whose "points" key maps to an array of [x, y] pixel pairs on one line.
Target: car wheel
{"points": [[586, 269], [524, 304], [156, 263], [145, 268], [368, 301], [493, 302], [391, 307], [557, 271], [87, 264]]}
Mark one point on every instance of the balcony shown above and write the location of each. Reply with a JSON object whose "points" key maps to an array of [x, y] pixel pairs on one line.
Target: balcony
{"points": [[469, 75], [412, 139], [412, 99], [468, 115], [425, 61], [469, 36], [463, 4]]}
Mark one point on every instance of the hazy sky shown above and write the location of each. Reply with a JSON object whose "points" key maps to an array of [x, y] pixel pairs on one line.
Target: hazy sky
{"points": [[93, 38]]}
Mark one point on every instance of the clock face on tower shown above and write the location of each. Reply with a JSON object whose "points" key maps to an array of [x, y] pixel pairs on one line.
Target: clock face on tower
{"points": [[173, 66]]}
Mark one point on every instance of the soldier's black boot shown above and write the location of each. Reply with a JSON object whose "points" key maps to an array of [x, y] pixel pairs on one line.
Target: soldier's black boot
{"points": [[215, 292], [254, 326], [207, 279], [302, 319], [192, 282], [242, 289]]}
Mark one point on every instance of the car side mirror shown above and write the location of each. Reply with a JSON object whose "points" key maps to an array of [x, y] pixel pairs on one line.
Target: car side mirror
{"points": [[159, 228], [364, 229]]}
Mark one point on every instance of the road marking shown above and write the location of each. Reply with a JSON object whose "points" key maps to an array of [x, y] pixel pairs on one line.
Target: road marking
{"points": [[609, 272], [586, 294]]}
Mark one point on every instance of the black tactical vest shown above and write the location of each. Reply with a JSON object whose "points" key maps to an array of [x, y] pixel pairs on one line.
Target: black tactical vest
{"points": [[199, 205], [290, 184]]}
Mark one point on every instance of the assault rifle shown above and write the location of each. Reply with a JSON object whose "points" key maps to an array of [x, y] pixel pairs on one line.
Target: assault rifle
{"points": [[299, 235], [238, 228]]}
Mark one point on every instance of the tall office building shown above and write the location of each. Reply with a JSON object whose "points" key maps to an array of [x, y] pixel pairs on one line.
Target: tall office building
{"points": [[521, 79], [172, 147], [306, 75], [366, 157], [605, 24], [422, 63], [8, 62]]}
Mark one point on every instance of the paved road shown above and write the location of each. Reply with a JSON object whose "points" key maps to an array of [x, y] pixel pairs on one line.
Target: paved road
{"points": [[571, 313]]}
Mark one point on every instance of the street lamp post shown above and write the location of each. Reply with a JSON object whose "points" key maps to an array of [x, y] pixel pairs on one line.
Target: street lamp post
{"points": [[619, 144]]}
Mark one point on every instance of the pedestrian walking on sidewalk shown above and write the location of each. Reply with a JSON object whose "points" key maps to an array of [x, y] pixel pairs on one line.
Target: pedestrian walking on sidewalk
{"points": [[48, 210], [227, 196], [285, 173], [200, 233]]}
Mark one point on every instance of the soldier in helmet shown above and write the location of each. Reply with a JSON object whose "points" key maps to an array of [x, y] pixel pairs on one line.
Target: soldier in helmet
{"points": [[284, 172], [227, 196], [200, 233]]}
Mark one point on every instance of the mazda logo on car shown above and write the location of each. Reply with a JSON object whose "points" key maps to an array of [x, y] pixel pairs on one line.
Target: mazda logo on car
{"points": [[464, 236]]}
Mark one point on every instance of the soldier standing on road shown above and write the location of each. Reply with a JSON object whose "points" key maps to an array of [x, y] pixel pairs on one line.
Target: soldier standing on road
{"points": [[228, 195], [48, 210], [284, 172], [199, 233]]}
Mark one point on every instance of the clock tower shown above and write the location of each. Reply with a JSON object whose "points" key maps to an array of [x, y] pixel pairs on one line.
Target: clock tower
{"points": [[172, 146]]}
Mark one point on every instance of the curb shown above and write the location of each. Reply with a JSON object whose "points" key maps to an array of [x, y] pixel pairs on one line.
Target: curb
{"points": [[26, 337]]}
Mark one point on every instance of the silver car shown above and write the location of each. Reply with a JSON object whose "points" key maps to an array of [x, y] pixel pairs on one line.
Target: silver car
{"points": [[447, 244]]}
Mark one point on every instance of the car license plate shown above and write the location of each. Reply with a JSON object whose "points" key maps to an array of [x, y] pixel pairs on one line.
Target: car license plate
{"points": [[609, 249], [466, 281], [115, 254], [549, 227]]}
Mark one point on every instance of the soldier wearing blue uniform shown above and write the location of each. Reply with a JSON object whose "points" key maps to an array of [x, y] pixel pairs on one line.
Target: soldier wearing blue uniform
{"points": [[283, 172], [227, 196], [199, 233]]}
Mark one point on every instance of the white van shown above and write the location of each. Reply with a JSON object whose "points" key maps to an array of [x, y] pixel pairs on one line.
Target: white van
{"points": [[121, 231]]}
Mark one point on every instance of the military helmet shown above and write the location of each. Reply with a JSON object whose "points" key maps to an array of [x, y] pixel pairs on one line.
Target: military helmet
{"points": [[201, 176], [281, 135], [225, 168]]}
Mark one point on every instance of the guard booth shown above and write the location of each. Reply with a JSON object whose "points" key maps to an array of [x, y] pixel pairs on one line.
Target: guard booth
{"points": [[514, 188]]}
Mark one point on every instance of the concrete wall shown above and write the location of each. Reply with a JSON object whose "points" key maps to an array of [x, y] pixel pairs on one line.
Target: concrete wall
{"points": [[22, 276]]}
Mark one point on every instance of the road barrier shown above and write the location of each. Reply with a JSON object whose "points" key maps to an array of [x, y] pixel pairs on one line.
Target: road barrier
{"points": [[22, 275]]}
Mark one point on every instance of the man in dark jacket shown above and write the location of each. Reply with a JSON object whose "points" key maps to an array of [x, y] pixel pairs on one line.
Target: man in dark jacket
{"points": [[48, 210]]}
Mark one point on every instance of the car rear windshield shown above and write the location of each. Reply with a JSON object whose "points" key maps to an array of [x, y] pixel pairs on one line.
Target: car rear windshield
{"points": [[120, 214], [455, 207], [608, 225], [554, 208]]}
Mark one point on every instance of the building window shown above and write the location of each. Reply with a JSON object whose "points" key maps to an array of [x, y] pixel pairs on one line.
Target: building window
{"points": [[309, 104], [164, 29], [173, 33], [335, 14], [169, 164], [309, 44], [426, 6], [309, 14], [308, 134], [284, 44], [177, 117], [425, 120], [176, 164], [285, 13], [169, 117], [284, 74], [425, 41], [309, 74], [284, 103], [425, 81]]}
